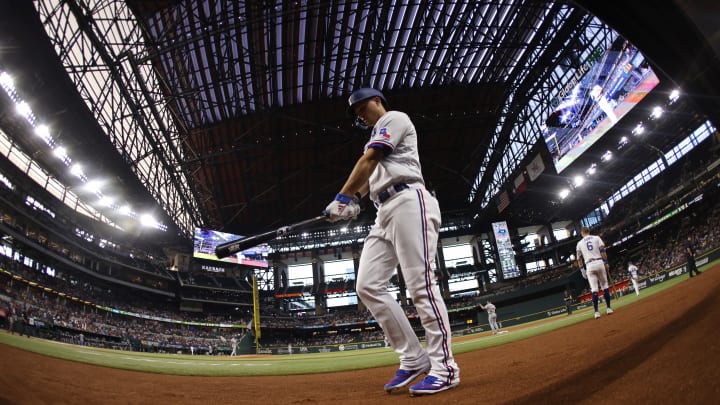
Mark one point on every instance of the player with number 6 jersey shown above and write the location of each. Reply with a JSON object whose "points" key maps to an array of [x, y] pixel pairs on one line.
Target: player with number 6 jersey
{"points": [[593, 263]]}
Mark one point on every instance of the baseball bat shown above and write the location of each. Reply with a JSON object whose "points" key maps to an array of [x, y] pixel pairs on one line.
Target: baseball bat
{"points": [[229, 248]]}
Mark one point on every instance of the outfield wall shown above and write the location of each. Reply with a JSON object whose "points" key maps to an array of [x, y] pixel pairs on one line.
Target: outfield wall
{"points": [[544, 303]]}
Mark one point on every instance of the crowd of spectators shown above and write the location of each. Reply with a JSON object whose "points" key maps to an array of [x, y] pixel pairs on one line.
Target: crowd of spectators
{"points": [[36, 311], [662, 247], [86, 310], [111, 320], [138, 327], [68, 239]]}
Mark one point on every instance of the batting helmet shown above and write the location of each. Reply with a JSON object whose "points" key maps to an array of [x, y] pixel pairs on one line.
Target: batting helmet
{"points": [[361, 95]]}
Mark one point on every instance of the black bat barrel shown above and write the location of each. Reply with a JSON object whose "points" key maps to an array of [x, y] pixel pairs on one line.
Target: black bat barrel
{"points": [[230, 248]]}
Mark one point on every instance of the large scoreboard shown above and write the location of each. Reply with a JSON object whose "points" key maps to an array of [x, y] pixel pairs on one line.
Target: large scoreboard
{"points": [[205, 241], [508, 265]]}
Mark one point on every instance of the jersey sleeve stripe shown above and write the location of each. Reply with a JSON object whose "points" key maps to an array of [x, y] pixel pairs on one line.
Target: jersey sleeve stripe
{"points": [[385, 148]]}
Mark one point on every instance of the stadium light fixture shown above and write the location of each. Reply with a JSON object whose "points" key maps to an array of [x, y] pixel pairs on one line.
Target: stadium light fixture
{"points": [[106, 201], [578, 181], [60, 152], [6, 80], [43, 132], [125, 210], [657, 112], [93, 186], [639, 129], [564, 193], [606, 156], [76, 170], [23, 108], [674, 96], [148, 221], [591, 170]]}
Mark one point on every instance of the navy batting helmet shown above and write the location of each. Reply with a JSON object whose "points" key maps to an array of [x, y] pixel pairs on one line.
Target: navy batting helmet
{"points": [[361, 95]]}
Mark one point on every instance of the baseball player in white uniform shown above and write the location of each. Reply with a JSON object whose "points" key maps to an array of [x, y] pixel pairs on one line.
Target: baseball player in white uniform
{"points": [[406, 233], [233, 343], [490, 308], [633, 270], [592, 249]]}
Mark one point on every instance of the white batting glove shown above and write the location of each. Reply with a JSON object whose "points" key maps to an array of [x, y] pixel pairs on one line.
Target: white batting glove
{"points": [[344, 207]]}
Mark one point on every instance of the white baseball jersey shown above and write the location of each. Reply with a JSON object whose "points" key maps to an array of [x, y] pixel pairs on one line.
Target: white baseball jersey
{"points": [[590, 247], [395, 134], [405, 233], [633, 270], [490, 308]]}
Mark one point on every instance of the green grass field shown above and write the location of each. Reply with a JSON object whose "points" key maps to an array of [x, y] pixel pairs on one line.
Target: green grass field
{"points": [[268, 365]]}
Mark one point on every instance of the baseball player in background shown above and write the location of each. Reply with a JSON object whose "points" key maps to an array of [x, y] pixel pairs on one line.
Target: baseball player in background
{"points": [[568, 299], [233, 343], [690, 257], [490, 308], [591, 249], [633, 270], [405, 233]]}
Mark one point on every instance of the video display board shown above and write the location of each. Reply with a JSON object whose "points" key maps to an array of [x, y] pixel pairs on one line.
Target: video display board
{"points": [[205, 241], [508, 265], [610, 84]]}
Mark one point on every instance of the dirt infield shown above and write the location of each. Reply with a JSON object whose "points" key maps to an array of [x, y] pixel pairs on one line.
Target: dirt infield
{"points": [[664, 348]]}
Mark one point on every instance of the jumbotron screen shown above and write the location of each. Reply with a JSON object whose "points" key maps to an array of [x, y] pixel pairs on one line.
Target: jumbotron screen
{"points": [[613, 82], [205, 241]]}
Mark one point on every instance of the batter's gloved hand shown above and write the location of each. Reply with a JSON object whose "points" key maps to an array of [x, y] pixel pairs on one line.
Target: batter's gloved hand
{"points": [[344, 207]]}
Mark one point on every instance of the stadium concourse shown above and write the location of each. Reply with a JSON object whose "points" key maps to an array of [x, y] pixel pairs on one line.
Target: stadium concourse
{"points": [[661, 349]]}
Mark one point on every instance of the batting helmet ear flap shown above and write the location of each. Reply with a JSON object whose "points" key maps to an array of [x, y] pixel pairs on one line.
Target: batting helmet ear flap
{"points": [[362, 95]]}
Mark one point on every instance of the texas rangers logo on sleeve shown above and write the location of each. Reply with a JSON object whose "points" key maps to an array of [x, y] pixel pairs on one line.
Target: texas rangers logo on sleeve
{"points": [[381, 140]]}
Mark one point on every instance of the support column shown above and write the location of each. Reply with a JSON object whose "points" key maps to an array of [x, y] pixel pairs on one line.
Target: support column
{"points": [[280, 281], [553, 242], [518, 248], [442, 274], [356, 265], [318, 289], [402, 288], [481, 264]]}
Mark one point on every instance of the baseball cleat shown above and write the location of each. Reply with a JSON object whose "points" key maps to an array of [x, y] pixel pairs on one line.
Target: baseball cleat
{"points": [[597, 315], [403, 378], [609, 311], [433, 385]]}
